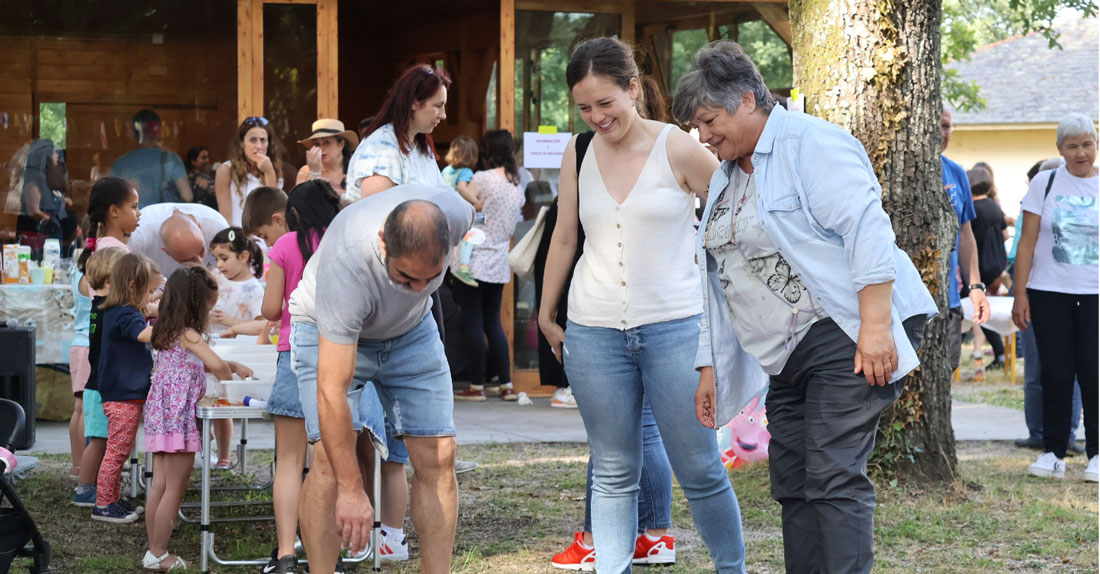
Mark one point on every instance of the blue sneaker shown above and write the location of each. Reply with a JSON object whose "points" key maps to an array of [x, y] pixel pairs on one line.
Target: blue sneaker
{"points": [[131, 506], [114, 512], [85, 499]]}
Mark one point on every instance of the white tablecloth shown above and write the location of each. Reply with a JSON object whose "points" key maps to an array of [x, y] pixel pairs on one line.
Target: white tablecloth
{"points": [[51, 308], [1000, 315]]}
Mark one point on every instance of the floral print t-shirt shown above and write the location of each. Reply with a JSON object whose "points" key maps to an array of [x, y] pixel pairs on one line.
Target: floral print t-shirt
{"points": [[238, 299], [380, 154], [502, 201]]}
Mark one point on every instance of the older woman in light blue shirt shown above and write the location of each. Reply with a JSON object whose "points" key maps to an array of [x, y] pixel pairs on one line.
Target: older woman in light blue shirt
{"points": [[801, 275]]}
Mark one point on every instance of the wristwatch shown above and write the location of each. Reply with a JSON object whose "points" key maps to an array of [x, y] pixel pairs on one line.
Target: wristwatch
{"points": [[979, 285]]}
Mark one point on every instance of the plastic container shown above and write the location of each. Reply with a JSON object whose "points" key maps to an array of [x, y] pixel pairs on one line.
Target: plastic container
{"points": [[37, 275], [254, 402], [11, 263], [24, 264], [235, 391], [51, 254]]}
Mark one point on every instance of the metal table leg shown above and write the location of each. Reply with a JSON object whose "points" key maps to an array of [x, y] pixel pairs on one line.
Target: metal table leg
{"points": [[206, 537]]}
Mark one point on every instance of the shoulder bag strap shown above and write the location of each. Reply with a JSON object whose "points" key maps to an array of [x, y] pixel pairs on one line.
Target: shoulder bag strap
{"points": [[1050, 182]]}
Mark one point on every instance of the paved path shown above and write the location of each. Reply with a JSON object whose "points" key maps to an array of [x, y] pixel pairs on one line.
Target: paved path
{"points": [[497, 421]]}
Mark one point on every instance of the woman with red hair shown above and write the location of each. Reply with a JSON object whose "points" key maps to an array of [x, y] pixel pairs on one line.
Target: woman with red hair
{"points": [[398, 147]]}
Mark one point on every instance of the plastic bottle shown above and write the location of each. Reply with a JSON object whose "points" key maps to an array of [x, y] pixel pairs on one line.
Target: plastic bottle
{"points": [[254, 402]]}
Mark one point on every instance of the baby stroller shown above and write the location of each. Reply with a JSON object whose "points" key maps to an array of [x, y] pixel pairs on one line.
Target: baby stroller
{"points": [[18, 534]]}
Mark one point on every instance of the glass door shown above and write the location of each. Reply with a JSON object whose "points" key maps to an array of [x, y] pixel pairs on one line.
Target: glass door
{"points": [[542, 40]]}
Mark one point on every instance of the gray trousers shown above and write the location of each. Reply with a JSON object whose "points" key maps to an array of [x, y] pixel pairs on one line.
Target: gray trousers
{"points": [[823, 419]]}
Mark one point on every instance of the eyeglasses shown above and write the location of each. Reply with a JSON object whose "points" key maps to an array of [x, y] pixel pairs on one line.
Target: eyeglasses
{"points": [[255, 121]]}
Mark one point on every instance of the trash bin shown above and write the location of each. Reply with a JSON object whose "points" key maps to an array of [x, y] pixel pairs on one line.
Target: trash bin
{"points": [[17, 380]]}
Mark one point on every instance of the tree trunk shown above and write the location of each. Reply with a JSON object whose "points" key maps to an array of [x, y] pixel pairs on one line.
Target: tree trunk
{"points": [[873, 67]]}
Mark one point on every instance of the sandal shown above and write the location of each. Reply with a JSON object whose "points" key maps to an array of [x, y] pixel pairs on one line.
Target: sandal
{"points": [[223, 465], [150, 562]]}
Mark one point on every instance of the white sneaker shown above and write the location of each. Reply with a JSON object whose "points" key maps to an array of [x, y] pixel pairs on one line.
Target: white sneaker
{"points": [[563, 399], [1048, 466], [1092, 472], [394, 550]]}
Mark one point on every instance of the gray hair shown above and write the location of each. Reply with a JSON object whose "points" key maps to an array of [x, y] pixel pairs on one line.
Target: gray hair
{"points": [[417, 228], [1075, 125], [720, 76], [1052, 163]]}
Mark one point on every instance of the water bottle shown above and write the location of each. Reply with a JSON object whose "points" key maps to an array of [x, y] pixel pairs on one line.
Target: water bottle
{"points": [[254, 402]]}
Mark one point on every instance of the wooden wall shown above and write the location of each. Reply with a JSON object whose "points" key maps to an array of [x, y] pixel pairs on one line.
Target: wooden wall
{"points": [[104, 81], [468, 45]]}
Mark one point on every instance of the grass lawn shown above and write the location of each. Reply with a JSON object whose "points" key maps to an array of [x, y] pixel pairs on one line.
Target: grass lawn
{"points": [[524, 502], [997, 389]]}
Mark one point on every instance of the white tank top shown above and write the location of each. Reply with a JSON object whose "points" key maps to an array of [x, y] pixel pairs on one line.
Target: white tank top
{"points": [[638, 263]]}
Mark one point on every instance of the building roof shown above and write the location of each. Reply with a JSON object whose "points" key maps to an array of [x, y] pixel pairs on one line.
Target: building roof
{"points": [[1025, 81]]}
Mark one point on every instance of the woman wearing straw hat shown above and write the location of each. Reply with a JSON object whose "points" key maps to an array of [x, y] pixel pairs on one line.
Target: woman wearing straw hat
{"points": [[329, 149]]}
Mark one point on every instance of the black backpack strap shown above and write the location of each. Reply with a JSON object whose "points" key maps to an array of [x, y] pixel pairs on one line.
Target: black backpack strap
{"points": [[583, 139], [1050, 181]]}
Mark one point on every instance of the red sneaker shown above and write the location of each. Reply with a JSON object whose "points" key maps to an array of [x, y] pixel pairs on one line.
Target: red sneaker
{"points": [[660, 551], [508, 394], [576, 557], [470, 394]]}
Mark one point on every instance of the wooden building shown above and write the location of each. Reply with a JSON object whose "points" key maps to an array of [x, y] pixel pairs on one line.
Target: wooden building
{"points": [[204, 65]]}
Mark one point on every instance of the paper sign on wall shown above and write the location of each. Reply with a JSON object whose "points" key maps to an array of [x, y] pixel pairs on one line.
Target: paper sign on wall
{"points": [[544, 150]]}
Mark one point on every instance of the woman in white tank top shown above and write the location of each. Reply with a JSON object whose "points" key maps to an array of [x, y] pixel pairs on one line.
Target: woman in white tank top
{"points": [[634, 305]]}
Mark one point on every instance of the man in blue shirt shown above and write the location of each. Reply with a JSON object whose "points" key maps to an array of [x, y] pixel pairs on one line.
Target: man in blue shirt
{"points": [[957, 187], [158, 174]]}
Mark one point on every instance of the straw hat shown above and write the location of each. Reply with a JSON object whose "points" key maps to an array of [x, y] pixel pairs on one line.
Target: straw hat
{"points": [[327, 128]]}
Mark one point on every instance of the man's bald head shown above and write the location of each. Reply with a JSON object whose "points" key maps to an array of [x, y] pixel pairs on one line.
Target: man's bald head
{"points": [[182, 239], [417, 229]]}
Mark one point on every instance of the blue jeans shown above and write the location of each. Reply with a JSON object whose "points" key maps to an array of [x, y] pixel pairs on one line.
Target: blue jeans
{"points": [[1033, 390], [611, 371], [655, 486]]}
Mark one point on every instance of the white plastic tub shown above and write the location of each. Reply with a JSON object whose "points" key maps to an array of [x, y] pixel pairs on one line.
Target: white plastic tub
{"points": [[236, 391]]}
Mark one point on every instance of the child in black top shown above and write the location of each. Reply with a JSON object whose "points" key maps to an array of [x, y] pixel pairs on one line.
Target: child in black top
{"points": [[125, 364], [97, 273]]}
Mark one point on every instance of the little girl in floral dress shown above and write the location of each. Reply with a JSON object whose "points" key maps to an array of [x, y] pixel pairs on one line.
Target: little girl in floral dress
{"points": [[178, 382]]}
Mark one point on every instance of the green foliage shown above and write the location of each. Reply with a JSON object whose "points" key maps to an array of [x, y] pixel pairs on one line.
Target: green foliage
{"points": [[769, 52], [970, 24], [51, 123]]}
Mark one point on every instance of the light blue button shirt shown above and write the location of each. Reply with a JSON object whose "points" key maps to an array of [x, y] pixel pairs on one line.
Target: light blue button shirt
{"points": [[820, 202]]}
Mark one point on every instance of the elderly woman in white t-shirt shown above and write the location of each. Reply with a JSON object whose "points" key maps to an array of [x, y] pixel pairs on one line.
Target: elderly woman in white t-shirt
{"points": [[1056, 290]]}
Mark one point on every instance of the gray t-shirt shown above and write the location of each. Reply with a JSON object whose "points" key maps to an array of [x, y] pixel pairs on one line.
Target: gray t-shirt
{"points": [[345, 289]]}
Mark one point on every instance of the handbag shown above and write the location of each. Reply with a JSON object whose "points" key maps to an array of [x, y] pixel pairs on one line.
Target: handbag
{"points": [[522, 257]]}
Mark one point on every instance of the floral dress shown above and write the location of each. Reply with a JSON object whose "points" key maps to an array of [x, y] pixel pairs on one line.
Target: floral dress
{"points": [[178, 384]]}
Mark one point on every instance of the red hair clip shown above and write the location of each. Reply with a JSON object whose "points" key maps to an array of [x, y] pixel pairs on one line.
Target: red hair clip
{"points": [[89, 244]]}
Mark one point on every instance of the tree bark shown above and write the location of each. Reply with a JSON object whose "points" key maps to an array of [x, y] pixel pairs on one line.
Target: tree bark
{"points": [[873, 67]]}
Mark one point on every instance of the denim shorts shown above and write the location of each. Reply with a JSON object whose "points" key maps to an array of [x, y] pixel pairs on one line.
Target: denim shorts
{"points": [[284, 399], [411, 387], [95, 420]]}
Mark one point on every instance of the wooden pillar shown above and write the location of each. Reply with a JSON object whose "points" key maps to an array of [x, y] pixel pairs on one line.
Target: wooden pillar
{"points": [[627, 22], [244, 59], [328, 61], [507, 76]]}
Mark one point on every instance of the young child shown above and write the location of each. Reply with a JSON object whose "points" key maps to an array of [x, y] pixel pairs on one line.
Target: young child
{"points": [[311, 207], [97, 277], [125, 365], [78, 367], [240, 264], [178, 382], [461, 160], [113, 215], [264, 214]]}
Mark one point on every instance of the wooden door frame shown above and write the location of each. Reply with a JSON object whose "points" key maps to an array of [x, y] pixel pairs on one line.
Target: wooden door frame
{"points": [[527, 380], [250, 57]]}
